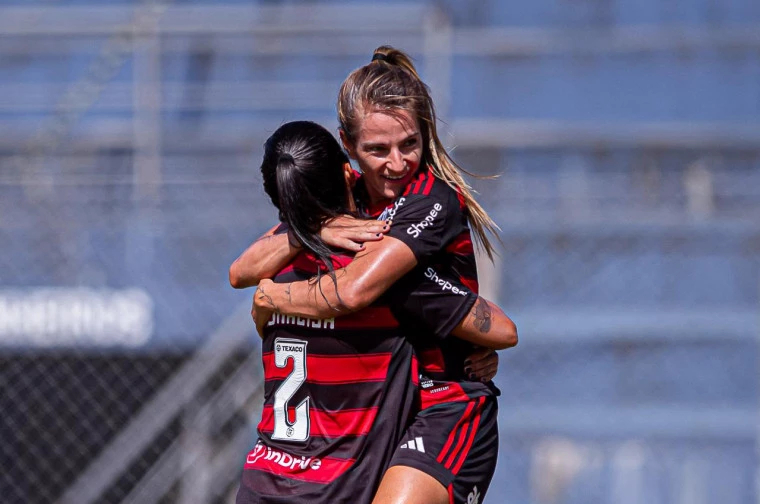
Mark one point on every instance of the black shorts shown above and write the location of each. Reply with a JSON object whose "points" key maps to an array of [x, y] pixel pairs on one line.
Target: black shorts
{"points": [[457, 443]]}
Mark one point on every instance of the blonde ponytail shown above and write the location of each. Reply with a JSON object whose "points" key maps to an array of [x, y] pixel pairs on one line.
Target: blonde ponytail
{"points": [[390, 81]]}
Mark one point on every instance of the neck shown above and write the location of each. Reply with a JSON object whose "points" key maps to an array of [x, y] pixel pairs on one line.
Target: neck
{"points": [[350, 199], [351, 204], [379, 200]]}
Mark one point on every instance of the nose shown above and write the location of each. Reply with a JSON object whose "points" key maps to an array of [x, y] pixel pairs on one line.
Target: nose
{"points": [[396, 161]]}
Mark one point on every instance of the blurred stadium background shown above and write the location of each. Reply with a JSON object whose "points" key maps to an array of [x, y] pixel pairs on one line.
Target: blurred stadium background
{"points": [[627, 136]]}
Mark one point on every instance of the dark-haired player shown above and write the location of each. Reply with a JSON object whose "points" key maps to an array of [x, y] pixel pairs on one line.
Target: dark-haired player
{"points": [[339, 391]]}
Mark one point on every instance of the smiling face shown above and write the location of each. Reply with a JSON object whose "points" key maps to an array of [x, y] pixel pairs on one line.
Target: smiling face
{"points": [[388, 148]]}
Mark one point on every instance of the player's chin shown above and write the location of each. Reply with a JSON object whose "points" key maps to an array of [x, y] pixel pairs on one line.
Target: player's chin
{"points": [[392, 191]]}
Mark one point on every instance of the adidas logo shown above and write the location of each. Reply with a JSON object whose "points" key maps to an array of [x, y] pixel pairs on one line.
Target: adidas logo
{"points": [[414, 444]]}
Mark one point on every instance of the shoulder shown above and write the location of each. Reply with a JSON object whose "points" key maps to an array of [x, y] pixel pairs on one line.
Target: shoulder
{"points": [[426, 185], [426, 198]]}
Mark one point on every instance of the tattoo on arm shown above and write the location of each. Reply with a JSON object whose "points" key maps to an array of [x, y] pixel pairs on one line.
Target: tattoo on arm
{"points": [[287, 291], [315, 283], [482, 316], [260, 294]]}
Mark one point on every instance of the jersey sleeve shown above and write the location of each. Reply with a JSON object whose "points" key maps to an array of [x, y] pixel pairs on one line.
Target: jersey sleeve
{"points": [[426, 223], [427, 299]]}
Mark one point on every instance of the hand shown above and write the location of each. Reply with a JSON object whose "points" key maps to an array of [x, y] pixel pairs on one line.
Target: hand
{"points": [[481, 365], [262, 308], [349, 233]]}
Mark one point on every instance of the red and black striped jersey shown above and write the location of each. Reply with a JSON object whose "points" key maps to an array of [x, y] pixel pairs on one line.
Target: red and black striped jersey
{"points": [[431, 218], [339, 393]]}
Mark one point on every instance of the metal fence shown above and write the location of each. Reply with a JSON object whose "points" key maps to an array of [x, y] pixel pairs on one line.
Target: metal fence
{"points": [[128, 154]]}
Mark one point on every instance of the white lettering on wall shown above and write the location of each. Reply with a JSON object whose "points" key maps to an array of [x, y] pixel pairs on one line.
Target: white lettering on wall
{"points": [[49, 317]]}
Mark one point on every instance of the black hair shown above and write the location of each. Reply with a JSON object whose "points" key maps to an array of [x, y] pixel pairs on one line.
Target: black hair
{"points": [[303, 175]]}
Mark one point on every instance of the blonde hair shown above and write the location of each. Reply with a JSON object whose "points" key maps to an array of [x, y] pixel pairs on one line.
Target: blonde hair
{"points": [[390, 82]]}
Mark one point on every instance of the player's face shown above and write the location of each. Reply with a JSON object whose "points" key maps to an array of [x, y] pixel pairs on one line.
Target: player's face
{"points": [[388, 148]]}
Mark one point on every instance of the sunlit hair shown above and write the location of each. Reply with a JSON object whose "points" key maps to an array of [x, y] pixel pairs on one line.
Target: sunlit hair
{"points": [[303, 175], [390, 82]]}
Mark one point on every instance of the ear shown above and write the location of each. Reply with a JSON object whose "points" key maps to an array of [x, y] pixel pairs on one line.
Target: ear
{"points": [[349, 174], [347, 144]]}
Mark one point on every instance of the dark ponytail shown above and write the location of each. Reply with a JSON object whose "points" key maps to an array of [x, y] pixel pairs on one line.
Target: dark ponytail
{"points": [[303, 175]]}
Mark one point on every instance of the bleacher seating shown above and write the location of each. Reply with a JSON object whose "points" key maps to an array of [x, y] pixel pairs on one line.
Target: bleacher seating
{"points": [[626, 138]]}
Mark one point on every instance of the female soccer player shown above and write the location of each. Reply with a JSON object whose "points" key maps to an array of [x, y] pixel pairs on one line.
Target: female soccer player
{"points": [[388, 125], [338, 392]]}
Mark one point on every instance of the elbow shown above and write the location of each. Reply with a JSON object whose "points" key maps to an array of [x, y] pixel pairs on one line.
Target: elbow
{"points": [[353, 299], [511, 335], [508, 336], [237, 280]]}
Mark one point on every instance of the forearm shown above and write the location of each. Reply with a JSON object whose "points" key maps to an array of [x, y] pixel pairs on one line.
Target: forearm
{"points": [[350, 289], [262, 259], [306, 298], [488, 326]]}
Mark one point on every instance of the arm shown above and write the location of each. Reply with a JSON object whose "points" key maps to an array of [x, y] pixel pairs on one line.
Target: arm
{"points": [[436, 298], [273, 251], [360, 283], [422, 225], [263, 259], [486, 325]]}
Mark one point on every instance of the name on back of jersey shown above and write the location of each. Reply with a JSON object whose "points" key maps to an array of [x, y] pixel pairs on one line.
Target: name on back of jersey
{"points": [[280, 319]]}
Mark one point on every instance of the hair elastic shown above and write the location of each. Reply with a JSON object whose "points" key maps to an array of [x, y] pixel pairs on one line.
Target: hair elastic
{"points": [[379, 57], [286, 157]]}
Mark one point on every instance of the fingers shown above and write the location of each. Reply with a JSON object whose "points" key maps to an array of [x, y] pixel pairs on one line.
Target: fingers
{"points": [[482, 365], [483, 374], [349, 233], [259, 298], [261, 311], [372, 226], [347, 244], [346, 223], [354, 243], [256, 317], [349, 221], [359, 236]]}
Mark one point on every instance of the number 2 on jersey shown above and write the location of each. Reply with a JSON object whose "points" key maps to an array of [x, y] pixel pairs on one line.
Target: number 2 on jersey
{"points": [[284, 430]]}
